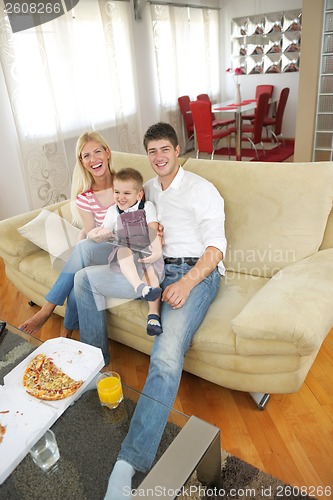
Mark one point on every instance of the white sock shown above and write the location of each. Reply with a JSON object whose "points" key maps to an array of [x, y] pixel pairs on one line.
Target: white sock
{"points": [[146, 290], [120, 481]]}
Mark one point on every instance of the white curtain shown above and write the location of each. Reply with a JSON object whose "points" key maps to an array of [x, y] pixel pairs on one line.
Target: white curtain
{"points": [[66, 76], [187, 56]]}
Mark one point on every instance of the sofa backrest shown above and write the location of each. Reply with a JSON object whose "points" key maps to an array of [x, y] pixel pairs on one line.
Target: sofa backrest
{"points": [[140, 162], [328, 235], [276, 213]]}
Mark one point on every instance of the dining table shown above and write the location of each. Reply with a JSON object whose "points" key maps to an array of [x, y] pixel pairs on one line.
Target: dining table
{"points": [[229, 106]]}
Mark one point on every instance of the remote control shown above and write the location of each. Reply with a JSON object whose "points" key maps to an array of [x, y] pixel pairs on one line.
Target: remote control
{"points": [[2, 330]]}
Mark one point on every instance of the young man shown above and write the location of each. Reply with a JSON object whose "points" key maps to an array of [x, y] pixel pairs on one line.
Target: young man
{"points": [[192, 213]]}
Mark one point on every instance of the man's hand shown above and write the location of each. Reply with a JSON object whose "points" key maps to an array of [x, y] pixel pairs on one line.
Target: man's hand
{"points": [[176, 294], [160, 232]]}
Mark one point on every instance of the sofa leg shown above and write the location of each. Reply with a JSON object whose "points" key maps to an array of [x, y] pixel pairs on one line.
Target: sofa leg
{"points": [[260, 399], [31, 303]]}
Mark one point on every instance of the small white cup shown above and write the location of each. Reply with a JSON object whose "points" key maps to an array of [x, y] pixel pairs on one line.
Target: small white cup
{"points": [[45, 452]]}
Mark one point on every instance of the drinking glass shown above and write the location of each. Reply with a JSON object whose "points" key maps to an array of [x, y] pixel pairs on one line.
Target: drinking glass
{"points": [[109, 388], [45, 452]]}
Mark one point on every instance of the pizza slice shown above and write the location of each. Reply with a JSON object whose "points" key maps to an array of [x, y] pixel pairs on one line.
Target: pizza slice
{"points": [[2, 432], [44, 380]]}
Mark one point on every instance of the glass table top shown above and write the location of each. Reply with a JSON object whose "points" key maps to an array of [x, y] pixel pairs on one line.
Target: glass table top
{"points": [[91, 434]]}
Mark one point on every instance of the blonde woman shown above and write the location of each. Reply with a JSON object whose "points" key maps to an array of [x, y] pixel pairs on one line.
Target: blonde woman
{"points": [[93, 193]]}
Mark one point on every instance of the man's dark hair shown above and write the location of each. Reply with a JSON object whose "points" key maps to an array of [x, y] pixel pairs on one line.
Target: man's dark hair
{"points": [[159, 131]]}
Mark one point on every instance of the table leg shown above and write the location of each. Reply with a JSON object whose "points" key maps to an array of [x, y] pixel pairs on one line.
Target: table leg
{"points": [[196, 447], [238, 117]]}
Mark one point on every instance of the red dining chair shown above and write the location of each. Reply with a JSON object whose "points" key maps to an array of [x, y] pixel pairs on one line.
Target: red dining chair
{"points": [[260, 89], [253, 132], [206, 137], [276, 121], [216, 123], [184, 106]]}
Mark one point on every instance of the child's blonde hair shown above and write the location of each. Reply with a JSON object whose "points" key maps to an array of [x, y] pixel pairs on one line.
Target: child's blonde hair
{"points": [[130, 174]]}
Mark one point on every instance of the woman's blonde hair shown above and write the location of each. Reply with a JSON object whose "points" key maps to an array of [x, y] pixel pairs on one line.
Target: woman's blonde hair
{"points": [[82, 179]]}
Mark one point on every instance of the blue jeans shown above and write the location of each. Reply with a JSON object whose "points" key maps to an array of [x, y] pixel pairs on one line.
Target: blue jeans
{"points": [[85, 253], [92, 286]]}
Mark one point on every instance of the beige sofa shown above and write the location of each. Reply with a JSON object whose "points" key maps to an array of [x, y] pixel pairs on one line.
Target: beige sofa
{"points": [[274, 306]]}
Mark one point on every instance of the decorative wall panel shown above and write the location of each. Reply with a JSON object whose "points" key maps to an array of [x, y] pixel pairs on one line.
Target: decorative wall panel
{"points": [[267, 43]]}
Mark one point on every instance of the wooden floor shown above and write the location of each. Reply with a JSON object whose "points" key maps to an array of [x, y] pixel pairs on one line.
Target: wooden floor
{"points": [[292, 439]]}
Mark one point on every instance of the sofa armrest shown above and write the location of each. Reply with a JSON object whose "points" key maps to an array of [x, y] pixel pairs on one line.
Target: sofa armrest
{"points": [[295, 306], [11, 241]]}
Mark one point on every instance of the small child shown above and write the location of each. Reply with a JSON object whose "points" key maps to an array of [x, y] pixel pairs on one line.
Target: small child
{"points": [[138, 250]]}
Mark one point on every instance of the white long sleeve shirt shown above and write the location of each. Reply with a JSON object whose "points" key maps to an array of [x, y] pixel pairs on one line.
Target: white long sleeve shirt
{"points": [[192, 212]]}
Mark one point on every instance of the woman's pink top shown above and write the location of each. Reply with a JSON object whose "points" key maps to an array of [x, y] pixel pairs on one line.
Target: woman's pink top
{"points": [[87, 201]]}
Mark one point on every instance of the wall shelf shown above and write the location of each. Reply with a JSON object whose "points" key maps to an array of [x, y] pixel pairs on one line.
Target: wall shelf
{"points": [[267, 43]]}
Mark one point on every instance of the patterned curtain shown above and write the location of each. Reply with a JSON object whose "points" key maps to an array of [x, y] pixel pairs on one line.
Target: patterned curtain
{"points": [[66, 76], [187, 56]]}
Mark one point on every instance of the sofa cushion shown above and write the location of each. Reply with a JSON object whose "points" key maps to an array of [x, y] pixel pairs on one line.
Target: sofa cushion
{"points": [[38, 268], [51, 233], [273, 218], [295, 306], [215, 334]]}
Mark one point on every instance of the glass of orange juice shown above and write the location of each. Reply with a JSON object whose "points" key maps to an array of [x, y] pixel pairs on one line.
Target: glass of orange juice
{"points": [[110, 391]]}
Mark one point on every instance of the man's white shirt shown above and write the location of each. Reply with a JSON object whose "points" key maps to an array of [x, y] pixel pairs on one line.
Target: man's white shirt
{"points": [[192, 212]]}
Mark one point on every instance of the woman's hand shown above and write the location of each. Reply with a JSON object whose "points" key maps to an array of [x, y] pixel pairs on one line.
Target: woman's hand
{"points": [[82, 235], [100, 234]]}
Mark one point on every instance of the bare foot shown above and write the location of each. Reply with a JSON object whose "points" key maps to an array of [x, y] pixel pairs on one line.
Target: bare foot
{"points": [[66, 333], [36, 322]]}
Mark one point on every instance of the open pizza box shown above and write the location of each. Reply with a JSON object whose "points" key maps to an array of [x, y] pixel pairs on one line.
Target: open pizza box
{"points": [[26, 418]]}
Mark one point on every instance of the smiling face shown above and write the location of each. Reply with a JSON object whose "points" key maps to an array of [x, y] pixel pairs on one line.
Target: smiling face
{"points": [[95, 158], [126, 193], [163, 157]]}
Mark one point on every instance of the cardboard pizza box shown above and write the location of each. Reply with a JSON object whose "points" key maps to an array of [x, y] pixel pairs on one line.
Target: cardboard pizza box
{"points": [[18, 409]]}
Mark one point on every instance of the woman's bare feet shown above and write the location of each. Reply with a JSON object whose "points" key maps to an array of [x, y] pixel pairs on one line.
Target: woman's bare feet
{"points": [[66, 333], [36, 322]]}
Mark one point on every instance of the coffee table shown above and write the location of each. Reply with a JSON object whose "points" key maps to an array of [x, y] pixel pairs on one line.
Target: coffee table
{"points": [[89, 438]]}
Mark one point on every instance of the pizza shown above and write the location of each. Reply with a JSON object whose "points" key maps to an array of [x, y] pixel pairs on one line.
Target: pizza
{"points": [[2, 432], [44, 380]]}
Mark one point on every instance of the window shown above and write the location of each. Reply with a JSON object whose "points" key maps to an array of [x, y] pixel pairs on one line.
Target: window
{"points": [[187, 51], [74, 71]]}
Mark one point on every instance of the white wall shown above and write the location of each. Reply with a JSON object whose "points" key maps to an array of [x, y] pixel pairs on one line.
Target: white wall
{"points": [[14, 197]]}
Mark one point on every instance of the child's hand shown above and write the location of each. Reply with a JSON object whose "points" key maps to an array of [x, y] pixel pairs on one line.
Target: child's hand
{"points": [[153, 257]]}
